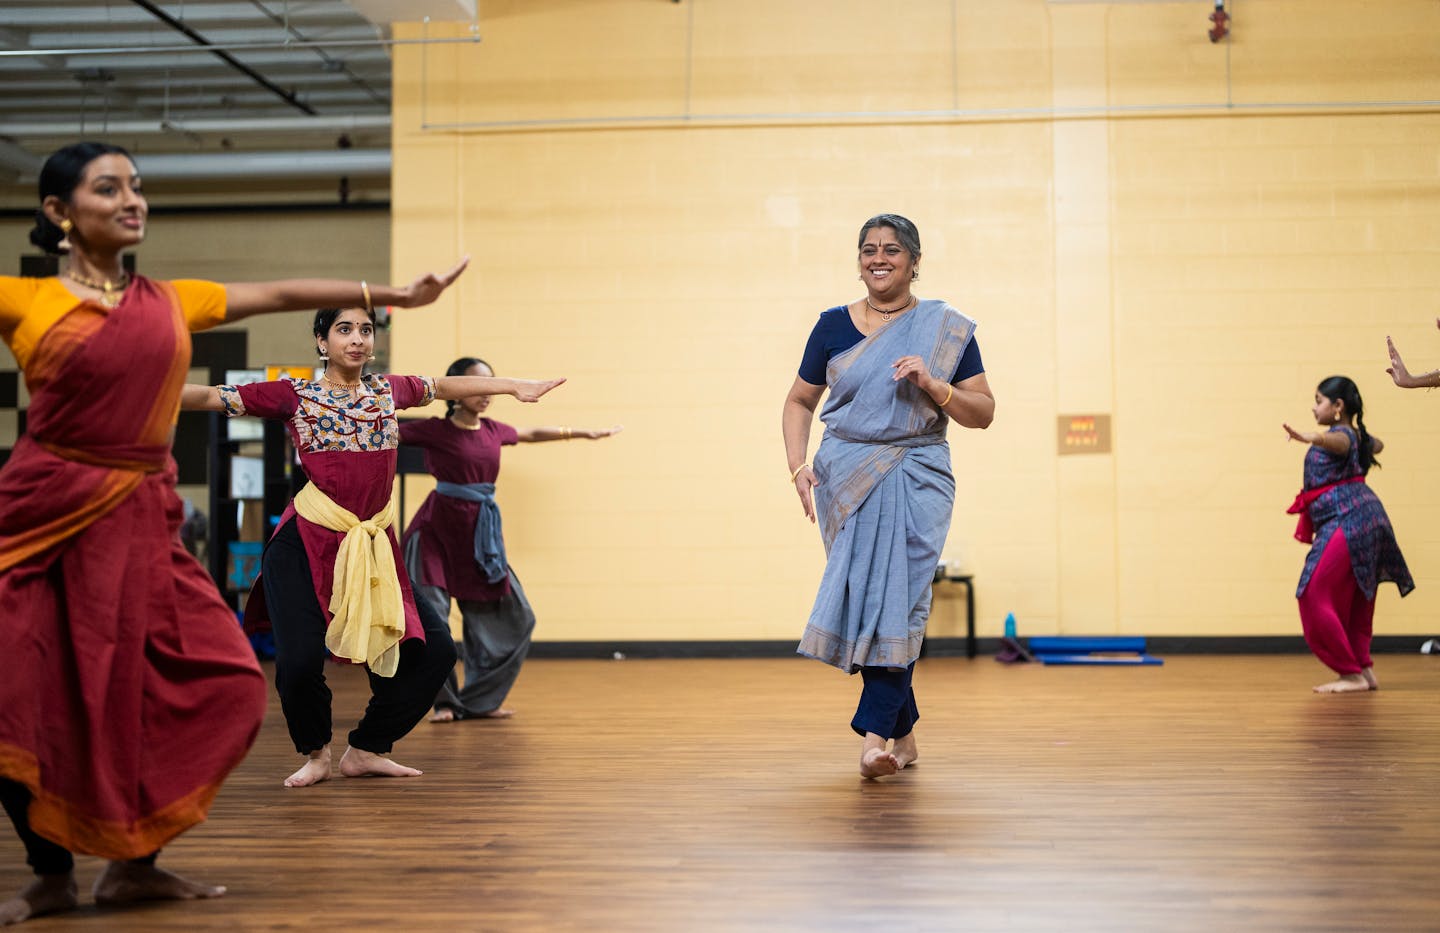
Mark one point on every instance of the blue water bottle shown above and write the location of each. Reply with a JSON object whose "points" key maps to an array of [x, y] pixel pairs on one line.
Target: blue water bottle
{"points": [[1009, 625]]}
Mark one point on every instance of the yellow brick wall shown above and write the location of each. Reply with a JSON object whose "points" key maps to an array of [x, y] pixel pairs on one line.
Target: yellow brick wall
{"points": [[659, 198]]}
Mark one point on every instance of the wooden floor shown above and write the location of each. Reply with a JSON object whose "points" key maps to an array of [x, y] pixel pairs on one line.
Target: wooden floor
{"points": [[1215, 793]]}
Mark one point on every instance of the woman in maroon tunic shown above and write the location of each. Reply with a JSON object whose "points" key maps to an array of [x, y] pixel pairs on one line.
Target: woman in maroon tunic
{"points": [[128, 691], [311, 589], [454, 548]]}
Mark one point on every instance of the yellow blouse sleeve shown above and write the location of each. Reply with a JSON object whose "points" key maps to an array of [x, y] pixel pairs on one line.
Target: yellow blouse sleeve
{"points": [[203, 302], [17, 297]]}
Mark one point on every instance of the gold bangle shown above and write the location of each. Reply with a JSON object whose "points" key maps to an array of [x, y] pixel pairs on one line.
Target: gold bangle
{"points": [[566, 436], [365, 290], [797, 471], [947, 397]]}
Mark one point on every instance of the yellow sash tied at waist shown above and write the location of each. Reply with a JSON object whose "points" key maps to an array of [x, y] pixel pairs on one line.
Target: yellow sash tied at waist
{"points": [[367, 610]]}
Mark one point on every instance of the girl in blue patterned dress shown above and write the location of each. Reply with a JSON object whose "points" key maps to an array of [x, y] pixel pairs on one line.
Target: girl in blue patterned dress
{"points": [[1352, 546]]}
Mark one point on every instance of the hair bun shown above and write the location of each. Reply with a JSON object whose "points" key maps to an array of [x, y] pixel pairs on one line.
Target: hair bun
{"points": [[45, 234]]}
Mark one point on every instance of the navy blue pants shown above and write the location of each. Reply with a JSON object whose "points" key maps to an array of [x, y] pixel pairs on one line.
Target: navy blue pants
{"points": [[887, 703]]}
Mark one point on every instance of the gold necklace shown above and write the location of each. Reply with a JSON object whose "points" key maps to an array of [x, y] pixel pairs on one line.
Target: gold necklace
{"points": [[885, 315], [463, 426], [110, 292], [341, 385]]}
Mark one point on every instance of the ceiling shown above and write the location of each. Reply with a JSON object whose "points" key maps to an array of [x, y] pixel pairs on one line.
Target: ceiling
{"points": [[253, 87]]}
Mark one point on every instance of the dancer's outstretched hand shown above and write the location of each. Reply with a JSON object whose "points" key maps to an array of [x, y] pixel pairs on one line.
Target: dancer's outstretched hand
{"points": [[429, 286], [1295, 435], [594, 434], [1397, 369], [530, 390]]}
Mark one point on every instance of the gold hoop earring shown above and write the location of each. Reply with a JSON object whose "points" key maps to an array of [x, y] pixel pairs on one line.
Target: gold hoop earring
{"points": [[65, 227]]}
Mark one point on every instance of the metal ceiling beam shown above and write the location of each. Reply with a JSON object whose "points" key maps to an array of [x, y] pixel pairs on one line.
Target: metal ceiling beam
{"points": [[238, 65]]}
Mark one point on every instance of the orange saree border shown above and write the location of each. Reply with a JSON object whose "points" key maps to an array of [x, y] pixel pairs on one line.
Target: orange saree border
{"points": [[160, 422], [51, 352], [110, 493], [60, 822]]}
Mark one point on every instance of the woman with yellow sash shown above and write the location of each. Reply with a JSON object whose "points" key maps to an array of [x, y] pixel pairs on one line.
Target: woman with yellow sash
{"points": [[328, 577]]}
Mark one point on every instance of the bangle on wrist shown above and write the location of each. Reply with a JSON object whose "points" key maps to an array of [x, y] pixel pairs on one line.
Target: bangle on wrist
{"points": [[948, 396], [365, 292], [797, 471]]}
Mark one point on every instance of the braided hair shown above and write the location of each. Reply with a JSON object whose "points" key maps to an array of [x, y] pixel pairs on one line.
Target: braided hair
{"points": [[1344, 390]]}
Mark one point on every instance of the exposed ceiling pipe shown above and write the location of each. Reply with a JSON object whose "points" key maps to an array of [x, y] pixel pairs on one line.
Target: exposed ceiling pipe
{"points": [[216, 47], [277, 125], [300, 164], [354, 163]]}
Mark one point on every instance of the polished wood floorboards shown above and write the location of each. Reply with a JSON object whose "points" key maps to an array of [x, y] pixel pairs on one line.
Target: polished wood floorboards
{"points": [[1214, 793]]}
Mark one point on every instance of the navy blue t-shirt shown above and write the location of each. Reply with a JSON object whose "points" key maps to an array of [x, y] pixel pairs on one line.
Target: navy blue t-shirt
{"points": [[835, 333]]}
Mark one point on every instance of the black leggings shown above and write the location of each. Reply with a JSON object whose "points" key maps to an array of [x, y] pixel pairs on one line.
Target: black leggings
{"points": [[42, 855], [396, 703]]}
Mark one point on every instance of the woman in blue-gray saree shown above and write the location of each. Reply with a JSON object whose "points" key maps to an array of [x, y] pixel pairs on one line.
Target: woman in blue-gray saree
{"points": [[898, 369]]}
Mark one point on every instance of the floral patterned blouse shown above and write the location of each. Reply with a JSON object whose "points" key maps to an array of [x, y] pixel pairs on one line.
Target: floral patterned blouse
{"points": [[347, 447]]}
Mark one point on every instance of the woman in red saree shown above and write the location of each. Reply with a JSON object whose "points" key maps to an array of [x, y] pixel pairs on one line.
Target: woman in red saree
{"points": [[128, 690]]}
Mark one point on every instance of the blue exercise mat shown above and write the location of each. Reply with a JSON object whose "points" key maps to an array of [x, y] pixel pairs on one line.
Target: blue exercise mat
{"points": [[1117, 660], [1059, 644]]}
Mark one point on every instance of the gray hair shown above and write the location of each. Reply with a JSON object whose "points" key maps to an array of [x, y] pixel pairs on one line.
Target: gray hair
{"points": [[905, 232]]}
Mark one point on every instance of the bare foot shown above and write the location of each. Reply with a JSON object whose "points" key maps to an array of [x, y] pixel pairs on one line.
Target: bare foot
{"points": [[313, 771], [128, 882], [1369, 675], [357, 762], [877, 762], [1349, 683], [443, 714], [47, 894], [500, 713], [905, 751]]}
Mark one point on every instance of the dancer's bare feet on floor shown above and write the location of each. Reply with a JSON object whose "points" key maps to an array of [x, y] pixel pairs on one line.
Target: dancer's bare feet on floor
{"points": [[1348, 683], [906, 751], [443, 714], [47, 894], [877, 762], [1369, 675], [502, 712], [313, 771], [128, 882], [357, 762]]}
